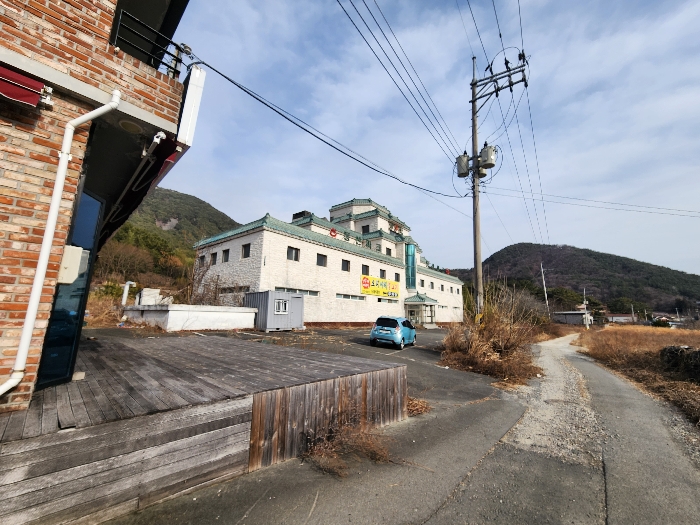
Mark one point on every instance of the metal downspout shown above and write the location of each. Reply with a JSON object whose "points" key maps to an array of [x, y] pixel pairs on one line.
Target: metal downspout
{"points": [[18, 369]]}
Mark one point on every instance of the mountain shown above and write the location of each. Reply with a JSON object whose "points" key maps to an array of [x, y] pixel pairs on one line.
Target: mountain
{"points": [[179, 218], [605, 276]]}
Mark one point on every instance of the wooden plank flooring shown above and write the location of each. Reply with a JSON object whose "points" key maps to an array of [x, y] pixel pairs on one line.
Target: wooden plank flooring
{"points": [[125, 378]]}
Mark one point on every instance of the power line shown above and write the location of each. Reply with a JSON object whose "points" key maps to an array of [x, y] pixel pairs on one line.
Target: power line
{"points": [[387, 72], [598, 207], [454, 145], [605, 202], [416, 72], [465, 27], [338, 146]]}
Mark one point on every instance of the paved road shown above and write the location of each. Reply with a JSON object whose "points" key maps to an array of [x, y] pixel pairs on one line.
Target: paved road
{"points": [[577, 446]]}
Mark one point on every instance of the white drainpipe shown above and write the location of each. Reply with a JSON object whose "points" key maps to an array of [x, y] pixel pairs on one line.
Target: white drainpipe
{"points": [[47, 241]]}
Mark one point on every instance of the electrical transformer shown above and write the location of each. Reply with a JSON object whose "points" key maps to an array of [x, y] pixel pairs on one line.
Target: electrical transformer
{"points": [[463, 166], [488, 157]]}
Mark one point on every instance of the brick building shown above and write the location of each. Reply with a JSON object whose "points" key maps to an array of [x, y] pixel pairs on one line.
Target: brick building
{"points": [[59, 60], [359, 264]]}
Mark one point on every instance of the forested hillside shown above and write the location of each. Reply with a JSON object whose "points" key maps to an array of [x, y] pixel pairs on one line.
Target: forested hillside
{"points": [[605, 277], [154, 247]]}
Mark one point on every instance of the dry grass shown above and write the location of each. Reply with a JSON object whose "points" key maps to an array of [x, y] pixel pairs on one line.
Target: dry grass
{"points": [[498, 345], [347, 443], [634, 352], [104, 311], [548, 331], [416, 407]]}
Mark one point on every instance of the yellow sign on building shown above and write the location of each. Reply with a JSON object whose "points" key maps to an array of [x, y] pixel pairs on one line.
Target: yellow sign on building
{"points": [[379, 287]]}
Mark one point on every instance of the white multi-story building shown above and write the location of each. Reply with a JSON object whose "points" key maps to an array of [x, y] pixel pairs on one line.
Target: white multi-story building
{"points": [[359, 264]]}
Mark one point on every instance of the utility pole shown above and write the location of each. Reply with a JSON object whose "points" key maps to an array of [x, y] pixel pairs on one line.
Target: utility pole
{"points": [[478, 273], [585, 309], [482, 90], [632, 313], [544, 285]]}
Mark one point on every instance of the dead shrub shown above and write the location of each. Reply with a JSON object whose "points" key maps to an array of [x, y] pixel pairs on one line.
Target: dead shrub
{"points": [[343, 443], [499, 343], [634, 351], [416, 407], [103, 310]]}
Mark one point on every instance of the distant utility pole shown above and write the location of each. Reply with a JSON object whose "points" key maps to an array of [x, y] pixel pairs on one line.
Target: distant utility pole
{"points": [[632, 313], [544, 285], [484, 89], [585, 310]]}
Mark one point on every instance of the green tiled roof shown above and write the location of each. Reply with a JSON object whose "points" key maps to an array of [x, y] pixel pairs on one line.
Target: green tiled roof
{"points": [[270, 223], [371, 213], [419, 298], [359, 202], [438, 275]]}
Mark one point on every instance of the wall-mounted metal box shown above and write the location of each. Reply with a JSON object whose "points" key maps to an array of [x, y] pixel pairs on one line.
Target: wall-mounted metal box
{"points": [[276, 310]]}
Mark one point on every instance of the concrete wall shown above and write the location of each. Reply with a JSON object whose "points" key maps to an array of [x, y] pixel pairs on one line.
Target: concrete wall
{"points": [[179, 317]]}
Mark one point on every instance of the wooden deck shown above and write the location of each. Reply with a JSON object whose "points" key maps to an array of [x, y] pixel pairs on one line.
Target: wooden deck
{"points": [[153, 417], [125, 378]]}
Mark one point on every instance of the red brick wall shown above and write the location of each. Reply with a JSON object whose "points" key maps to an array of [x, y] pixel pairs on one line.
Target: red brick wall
{"points": [[72, 36], [29, 143]]}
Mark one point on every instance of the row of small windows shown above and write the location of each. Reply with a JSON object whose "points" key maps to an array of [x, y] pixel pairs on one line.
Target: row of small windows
{"points": [[312, 293], [225, 256], [442, 286]]}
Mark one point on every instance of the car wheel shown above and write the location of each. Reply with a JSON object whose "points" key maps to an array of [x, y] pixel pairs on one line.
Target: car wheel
{"points": [[372, 342], [401, 345]]}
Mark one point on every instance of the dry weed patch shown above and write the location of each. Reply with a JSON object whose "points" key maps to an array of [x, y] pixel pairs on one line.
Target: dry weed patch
{"points": [[416, 407], [347, 443], [104, 311], [498, 345], [635, 351]]}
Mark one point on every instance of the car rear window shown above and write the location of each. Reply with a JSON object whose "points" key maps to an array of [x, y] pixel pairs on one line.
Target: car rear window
{"points": [[389, 323]]}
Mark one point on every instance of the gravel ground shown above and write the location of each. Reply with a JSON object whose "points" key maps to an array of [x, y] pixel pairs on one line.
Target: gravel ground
{"points": [[559, 420]]}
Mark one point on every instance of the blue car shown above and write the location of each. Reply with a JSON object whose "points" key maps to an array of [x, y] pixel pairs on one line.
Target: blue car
{"points": [[395, 330]]}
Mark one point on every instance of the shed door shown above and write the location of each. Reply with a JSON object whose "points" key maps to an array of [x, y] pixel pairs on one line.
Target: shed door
{"points": [[296, 315]]}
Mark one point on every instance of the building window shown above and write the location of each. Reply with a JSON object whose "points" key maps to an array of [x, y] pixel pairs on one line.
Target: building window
{"points": [[321, 260], [451, 290], [432, 285], [224, 255], [382, 274], [457, 290], [351, 297], [365, 229], [292, 254], [442, 287], [201, 260], [213, 258], [397, 277], [245, 251], [345, 265], [380, 300], [388, 252], [281, 306], [312, 293], [365, 269], [422, 283]]}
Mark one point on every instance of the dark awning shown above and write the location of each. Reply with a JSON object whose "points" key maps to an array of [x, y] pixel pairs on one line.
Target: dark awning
{"points": [[20, 88]]}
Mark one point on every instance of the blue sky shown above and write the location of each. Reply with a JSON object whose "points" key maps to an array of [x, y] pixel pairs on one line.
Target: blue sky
{"points": [[614, 87]]}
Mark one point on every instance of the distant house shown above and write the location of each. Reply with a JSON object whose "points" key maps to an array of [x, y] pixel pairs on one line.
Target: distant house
{"points": [[573, 317], [621, 318]]}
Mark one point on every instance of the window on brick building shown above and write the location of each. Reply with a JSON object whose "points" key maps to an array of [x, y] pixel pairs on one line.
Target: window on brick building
{"points": [[224, 256], [422, 283], [201, 260], [382, 274], [365, 269], [345, 265], [292, 253], [432, 285], [321, 260], [365, 229], [213, 258], [245, 251], [451, 289], [442, 287], [388, 252], [397, 277]]}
